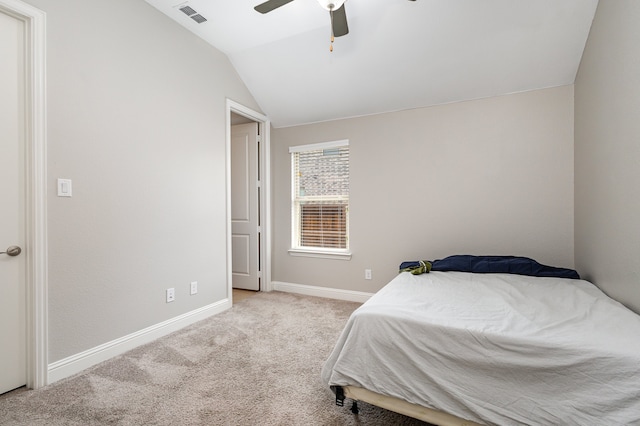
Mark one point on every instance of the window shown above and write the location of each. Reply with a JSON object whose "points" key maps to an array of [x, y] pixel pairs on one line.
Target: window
{"points": [[320, 198]]}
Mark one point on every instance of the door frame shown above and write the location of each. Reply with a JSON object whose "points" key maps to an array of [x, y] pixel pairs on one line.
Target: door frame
{"points": [[36, 187], [264, 125]]}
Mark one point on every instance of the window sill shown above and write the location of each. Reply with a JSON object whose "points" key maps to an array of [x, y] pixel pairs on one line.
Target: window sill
{"points": [[322, 254]]}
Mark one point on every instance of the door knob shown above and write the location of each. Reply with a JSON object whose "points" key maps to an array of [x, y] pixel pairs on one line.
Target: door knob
{"points": [[12, 251]]}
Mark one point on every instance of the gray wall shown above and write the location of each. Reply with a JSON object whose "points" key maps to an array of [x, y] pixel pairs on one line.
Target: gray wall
{"points": [[607, 153], [136, 111], [491, 176]]}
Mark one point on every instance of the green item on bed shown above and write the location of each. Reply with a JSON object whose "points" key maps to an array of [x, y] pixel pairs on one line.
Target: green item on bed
{"points": [[423, 266]]}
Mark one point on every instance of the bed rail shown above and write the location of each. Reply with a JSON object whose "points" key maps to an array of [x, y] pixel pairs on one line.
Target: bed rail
{"points": [[399, 406]]}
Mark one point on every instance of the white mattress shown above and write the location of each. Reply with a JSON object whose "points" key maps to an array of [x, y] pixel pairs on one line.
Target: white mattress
{"points": [[496, 348]]}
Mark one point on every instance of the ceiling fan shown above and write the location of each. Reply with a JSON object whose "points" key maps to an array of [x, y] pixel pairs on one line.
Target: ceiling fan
{"points": [[336, 10]]}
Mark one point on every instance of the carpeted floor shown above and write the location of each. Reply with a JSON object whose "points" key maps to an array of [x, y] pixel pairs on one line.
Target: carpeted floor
{"points": [[239, 295], [256, 364]]}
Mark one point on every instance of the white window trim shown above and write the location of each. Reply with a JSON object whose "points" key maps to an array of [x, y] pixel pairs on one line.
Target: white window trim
{"points": [[322, 253], [319, 146]]}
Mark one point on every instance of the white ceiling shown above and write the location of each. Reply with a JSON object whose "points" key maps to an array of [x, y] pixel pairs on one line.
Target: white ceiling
{"points": [[398, 54]]}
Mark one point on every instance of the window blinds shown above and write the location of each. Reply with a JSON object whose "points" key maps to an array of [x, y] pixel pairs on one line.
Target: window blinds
{"points": [[321, 196]]}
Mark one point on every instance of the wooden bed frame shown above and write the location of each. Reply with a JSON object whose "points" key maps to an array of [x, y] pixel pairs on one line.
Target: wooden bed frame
{"points": [[406, 408]]}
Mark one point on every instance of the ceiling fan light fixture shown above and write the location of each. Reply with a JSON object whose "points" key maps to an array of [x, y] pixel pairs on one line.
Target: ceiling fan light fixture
{"points": [[331, 4]]}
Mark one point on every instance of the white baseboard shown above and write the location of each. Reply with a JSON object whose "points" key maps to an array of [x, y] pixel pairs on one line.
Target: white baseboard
{"points": [[76, 363], [330, 293]]}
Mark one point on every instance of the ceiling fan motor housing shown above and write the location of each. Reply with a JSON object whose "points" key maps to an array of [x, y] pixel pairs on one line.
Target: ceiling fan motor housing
{"points": [[331, 4]]}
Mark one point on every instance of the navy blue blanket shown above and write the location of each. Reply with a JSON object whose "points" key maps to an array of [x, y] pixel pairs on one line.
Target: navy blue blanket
{"points": [[495, 264]]}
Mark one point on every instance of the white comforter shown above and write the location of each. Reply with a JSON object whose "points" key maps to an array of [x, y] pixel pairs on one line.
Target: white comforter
{"points": [[496, 348]]}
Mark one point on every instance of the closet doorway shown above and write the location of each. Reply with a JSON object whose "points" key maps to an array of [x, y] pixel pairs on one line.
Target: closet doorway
{"points": [[248, 153], [245, 203]]}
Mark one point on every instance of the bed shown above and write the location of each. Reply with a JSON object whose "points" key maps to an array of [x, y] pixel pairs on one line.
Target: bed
{"points": [[459, 348]]}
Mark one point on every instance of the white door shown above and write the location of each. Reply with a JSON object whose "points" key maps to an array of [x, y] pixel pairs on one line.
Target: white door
{"points": [[12, 205], [245, 212]]}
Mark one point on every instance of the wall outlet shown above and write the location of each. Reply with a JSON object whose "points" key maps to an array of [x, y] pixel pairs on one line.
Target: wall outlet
{"points": [[171, 294], [367, 274], [194, 287]]}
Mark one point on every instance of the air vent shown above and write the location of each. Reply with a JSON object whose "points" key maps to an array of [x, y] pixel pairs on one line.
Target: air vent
{"points": [[191, 13], [198, 18], [188, 10]]}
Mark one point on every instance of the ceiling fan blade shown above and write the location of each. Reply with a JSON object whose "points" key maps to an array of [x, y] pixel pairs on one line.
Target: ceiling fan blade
{"points": [[270, 5], [339, 21]]}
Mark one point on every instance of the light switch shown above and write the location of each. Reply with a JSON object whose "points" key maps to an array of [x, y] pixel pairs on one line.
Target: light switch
{"points": [[64, 187]]}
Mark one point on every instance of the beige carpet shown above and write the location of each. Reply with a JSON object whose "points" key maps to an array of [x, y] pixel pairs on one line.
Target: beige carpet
{"points": [[239, 295], [256, 364]]}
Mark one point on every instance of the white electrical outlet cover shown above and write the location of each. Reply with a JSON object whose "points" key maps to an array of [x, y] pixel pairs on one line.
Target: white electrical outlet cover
{"points": [[171, 295]]}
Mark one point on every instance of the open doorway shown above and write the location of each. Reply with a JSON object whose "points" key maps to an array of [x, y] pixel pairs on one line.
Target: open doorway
{"points": [[248, 206], [32, 48], [245, 204]]}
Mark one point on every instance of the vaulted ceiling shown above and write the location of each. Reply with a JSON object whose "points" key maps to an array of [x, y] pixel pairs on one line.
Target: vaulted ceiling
{"points": [[398, 55]]}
